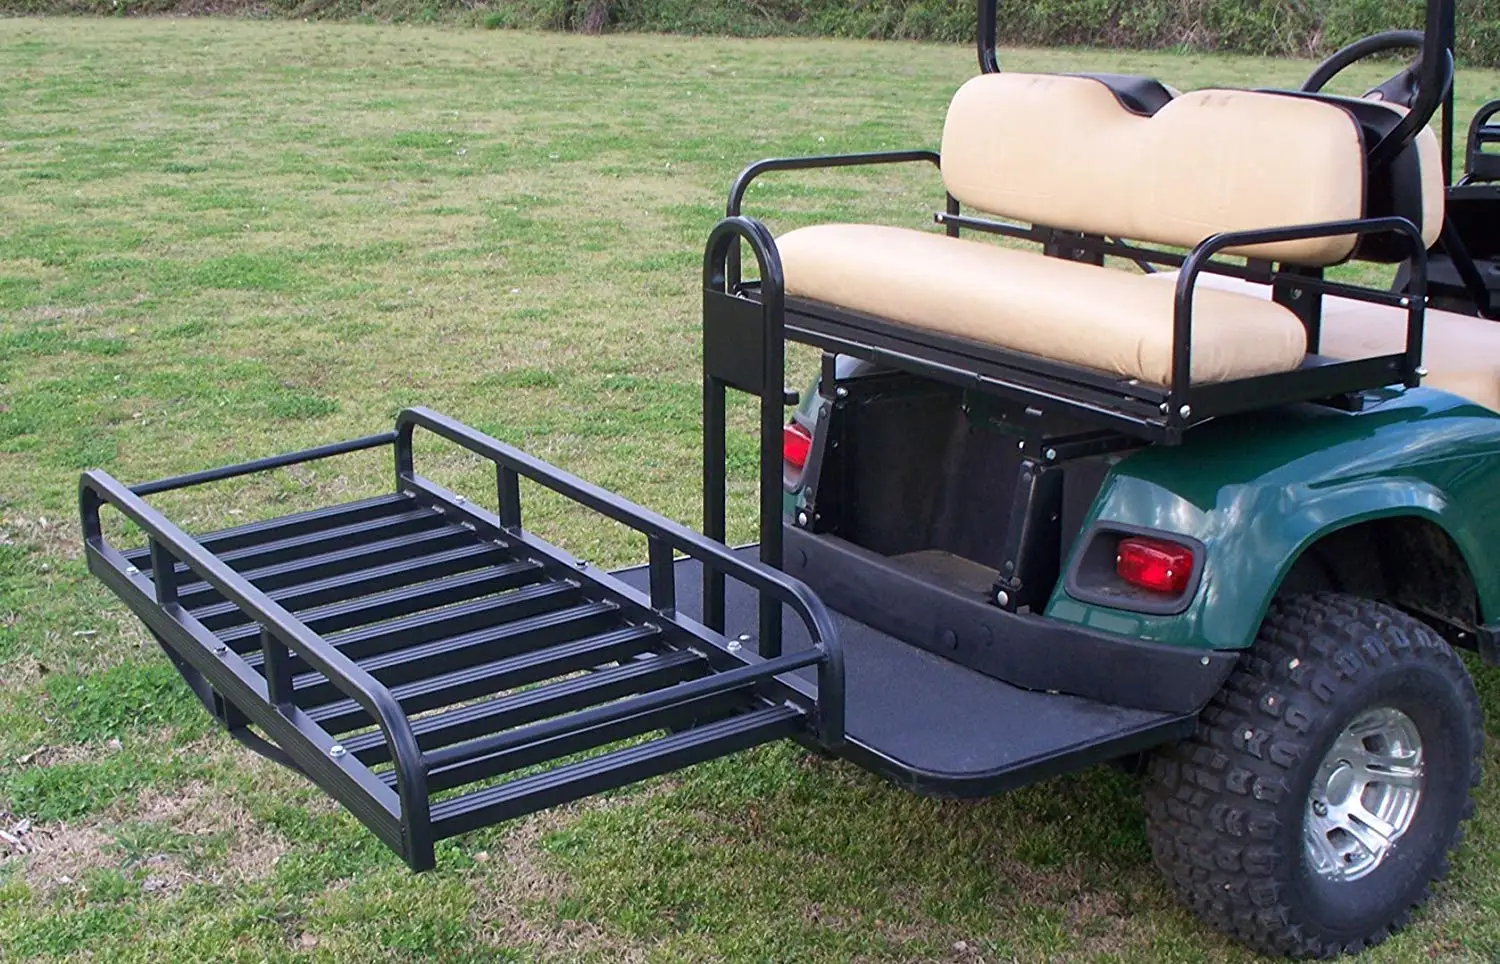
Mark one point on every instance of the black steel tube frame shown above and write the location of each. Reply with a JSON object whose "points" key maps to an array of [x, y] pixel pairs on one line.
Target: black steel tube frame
{"points": [[396, 805], [263, 465], [664, 537], [988, 37], [1198, 260], [722, 249], [732, 208], [1147, 412], [401, 818]]}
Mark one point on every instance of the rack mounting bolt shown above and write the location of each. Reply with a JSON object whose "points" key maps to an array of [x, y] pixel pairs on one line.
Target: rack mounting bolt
{"points": [[337, 750], [132, 570], [802, 519], [841, 392], [1165, 408], [1051, 455], [1185, 411], [1204, 661], [220, 649], [1421, 373], [459, 499], [581, 563], [1002, 598]]}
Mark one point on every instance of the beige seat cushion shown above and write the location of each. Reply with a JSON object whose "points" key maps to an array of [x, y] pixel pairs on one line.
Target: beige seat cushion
{"points": [[1062, 151], [1114, 321], [1460, 352]]}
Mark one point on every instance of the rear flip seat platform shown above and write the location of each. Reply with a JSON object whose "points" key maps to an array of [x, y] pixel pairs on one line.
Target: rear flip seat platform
{"points": [[1280, 179]]}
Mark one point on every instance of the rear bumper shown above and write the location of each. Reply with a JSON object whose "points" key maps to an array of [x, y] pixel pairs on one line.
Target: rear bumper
{"points": [[1025, 650]]}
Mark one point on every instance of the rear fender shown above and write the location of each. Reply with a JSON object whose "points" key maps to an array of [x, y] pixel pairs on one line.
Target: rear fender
{"points": [[1257, 491]]}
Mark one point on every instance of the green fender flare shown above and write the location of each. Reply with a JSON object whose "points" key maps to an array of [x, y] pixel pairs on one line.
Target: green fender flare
{"points": [[1257, 491]]}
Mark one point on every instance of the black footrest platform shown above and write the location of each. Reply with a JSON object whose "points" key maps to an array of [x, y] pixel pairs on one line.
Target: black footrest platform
{"points": [[400, 648]]}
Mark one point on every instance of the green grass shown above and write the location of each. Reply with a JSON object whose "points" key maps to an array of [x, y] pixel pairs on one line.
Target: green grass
{"points": [[225, 239]]}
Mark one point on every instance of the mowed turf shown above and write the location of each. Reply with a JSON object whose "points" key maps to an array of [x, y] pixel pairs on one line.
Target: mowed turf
{"points": [[221, 240]]}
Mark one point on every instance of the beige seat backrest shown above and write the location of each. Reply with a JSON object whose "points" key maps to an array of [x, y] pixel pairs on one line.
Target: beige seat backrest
{"points": [[1064, 152]]}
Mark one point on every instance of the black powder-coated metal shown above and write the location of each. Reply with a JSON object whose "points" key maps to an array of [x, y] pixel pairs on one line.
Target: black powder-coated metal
{"points": [[330, 631], [1033, 540]]}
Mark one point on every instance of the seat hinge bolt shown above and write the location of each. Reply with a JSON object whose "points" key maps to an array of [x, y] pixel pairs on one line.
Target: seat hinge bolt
{"points": [[841, 392], [1204, 661], [337, 750], [802, 519], [1051, 455], [1185, 411], [1002, 598], [1421, 373], [1320, 808]]}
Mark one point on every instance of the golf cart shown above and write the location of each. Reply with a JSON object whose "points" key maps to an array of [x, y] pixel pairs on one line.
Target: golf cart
{"points": [[1036, 513]]}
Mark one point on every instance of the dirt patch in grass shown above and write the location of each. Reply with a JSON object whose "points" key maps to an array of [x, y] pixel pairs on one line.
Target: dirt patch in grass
{"points": [[53, 856], [161, 841], [51, 536]]}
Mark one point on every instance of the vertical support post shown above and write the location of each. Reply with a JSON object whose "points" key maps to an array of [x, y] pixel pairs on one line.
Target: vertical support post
{"points": [[164, 574], [663, 576], [1450, 36], [278, 668], [508, 489], [753, 362], [1305, 303], [713, 496], [1031, 563], [772, 412]]}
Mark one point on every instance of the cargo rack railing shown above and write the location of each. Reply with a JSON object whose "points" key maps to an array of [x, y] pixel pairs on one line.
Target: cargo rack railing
{"points": [[266, 671]]}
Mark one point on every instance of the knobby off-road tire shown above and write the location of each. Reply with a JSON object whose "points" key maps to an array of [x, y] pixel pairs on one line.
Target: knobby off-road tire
{"points": [[1226, 808]]}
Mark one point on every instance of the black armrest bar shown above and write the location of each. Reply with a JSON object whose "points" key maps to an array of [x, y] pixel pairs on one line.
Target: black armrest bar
{"points": [[742, 183], [1198, 261], [512, 463], [279, 628]]}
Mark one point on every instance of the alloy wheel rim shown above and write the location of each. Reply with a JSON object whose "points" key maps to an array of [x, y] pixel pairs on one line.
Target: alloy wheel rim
{"points": [[1364, 795]]}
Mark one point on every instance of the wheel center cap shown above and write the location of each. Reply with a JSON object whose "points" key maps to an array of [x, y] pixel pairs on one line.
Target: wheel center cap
{"points": [[1340, 784]]}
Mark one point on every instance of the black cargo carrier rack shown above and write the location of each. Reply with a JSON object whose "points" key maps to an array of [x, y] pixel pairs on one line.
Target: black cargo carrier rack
{"points": [[366, 643]]}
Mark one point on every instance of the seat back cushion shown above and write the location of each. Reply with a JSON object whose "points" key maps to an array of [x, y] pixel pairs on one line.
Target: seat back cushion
{"points": [[1411, 186], [1064, 152]]}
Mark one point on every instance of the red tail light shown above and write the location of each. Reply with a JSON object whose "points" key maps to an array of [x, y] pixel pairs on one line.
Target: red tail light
{"points": [[796, 443], [1153, 564]]}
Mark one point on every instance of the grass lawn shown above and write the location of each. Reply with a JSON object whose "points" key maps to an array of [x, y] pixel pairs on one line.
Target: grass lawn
{"points": [[221, 240]]}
